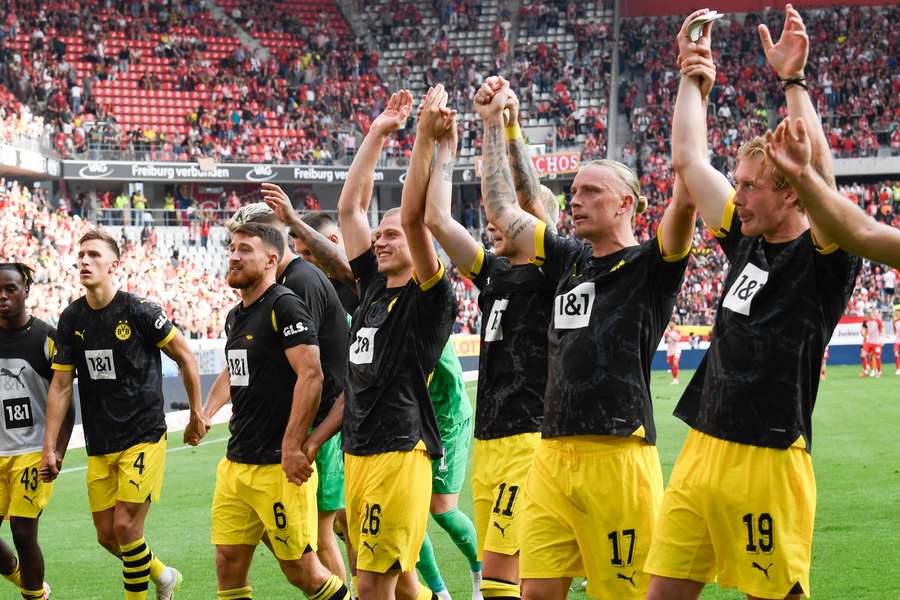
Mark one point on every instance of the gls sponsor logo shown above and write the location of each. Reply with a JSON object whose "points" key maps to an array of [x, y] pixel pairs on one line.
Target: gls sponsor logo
{"points": [[294, 329], [260, 173], [95, 170]]}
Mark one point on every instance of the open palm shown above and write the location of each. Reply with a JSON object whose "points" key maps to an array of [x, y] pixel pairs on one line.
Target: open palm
{"points": [[788, 56], [789, 148], [395, 113]]}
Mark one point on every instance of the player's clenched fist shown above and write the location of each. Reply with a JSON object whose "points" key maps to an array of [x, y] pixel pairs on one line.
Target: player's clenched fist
{"points": [[490, 99]]}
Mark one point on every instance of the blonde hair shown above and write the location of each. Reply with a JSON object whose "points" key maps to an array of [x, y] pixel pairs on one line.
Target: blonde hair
{"points": [[257, 212], [627, 177], [756, 148]]}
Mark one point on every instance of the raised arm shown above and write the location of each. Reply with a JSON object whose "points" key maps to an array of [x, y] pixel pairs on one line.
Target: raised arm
{"points": [[790, 149], [690, 156], [497, 186], [529, 192], [453, 237], [328, 254], [353, 204], [676, 230], [788, 58], [431, 123]]}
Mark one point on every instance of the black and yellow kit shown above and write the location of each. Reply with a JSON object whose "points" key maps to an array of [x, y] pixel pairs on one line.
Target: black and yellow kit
{"points": [[324, 307], [515, 303], [115, 353], [395, 341], [262, 379], [608, 317], [757, 383]]}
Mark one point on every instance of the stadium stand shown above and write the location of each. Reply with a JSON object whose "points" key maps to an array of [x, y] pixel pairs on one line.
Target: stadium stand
{"points": [[179, 84]]}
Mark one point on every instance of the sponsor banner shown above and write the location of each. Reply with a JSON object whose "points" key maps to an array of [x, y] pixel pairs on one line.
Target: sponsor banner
{"points": [[547, 165], [209, 171], [28, 160], [224, 172]]}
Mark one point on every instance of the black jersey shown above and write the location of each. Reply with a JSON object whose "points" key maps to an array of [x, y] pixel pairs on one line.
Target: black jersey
{"points": [[757, 382], [515, 303], [324, 307], [115, 352], [25, 376], [608, 316], [395, 342], [347, 295], [262, 378]]}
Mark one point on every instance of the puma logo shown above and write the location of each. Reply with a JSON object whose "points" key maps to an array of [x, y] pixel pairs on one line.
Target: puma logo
{"points": [[30, 501], [136, 485], [628, 579], [765, 571], [283, 541], [370, 548], [80, 334], [502, 529], [17, 376]]}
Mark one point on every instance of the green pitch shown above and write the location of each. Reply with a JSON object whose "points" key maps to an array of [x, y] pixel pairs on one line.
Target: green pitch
{"points": [[855, 553]]}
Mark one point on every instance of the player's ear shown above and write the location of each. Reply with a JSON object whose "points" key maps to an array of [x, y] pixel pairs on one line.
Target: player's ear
{"points": [[791, 198], [625, 206]]}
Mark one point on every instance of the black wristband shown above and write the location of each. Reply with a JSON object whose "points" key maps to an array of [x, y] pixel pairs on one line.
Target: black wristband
{"points": [[786, 83]]}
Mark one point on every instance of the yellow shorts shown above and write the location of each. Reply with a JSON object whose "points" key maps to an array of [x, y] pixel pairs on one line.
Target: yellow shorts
{"points": [[132, 475], [22, 493], [499, 470], [254, 499], [739, 514], [388, 496], [592, 503]]}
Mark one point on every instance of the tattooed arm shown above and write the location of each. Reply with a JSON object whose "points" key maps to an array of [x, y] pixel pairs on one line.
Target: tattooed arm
{"points": [[532, 196], [497, 186], [328, 255]]}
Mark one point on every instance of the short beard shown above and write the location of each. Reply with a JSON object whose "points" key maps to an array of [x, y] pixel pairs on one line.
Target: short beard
{"points": [[241, 280]]}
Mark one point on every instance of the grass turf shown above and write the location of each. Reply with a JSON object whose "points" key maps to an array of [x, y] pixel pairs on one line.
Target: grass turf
{"points": [[855, 552]]}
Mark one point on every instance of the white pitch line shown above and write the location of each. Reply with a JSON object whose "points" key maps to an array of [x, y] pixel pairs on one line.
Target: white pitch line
{"points": [[175, 449]]}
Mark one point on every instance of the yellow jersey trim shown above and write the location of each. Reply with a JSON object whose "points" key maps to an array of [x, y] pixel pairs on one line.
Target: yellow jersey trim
{"points": [[540, 254], [167, 339], [61, 367], [433, 281], [670, 257], [476, 266], [826, 250], [274, 323], [51, 348], [727, 216]]}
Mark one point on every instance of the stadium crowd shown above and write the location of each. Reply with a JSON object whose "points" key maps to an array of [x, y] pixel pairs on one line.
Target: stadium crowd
{"points": [[38, 235], [853, 81], [314, 97], [47, 240]]}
